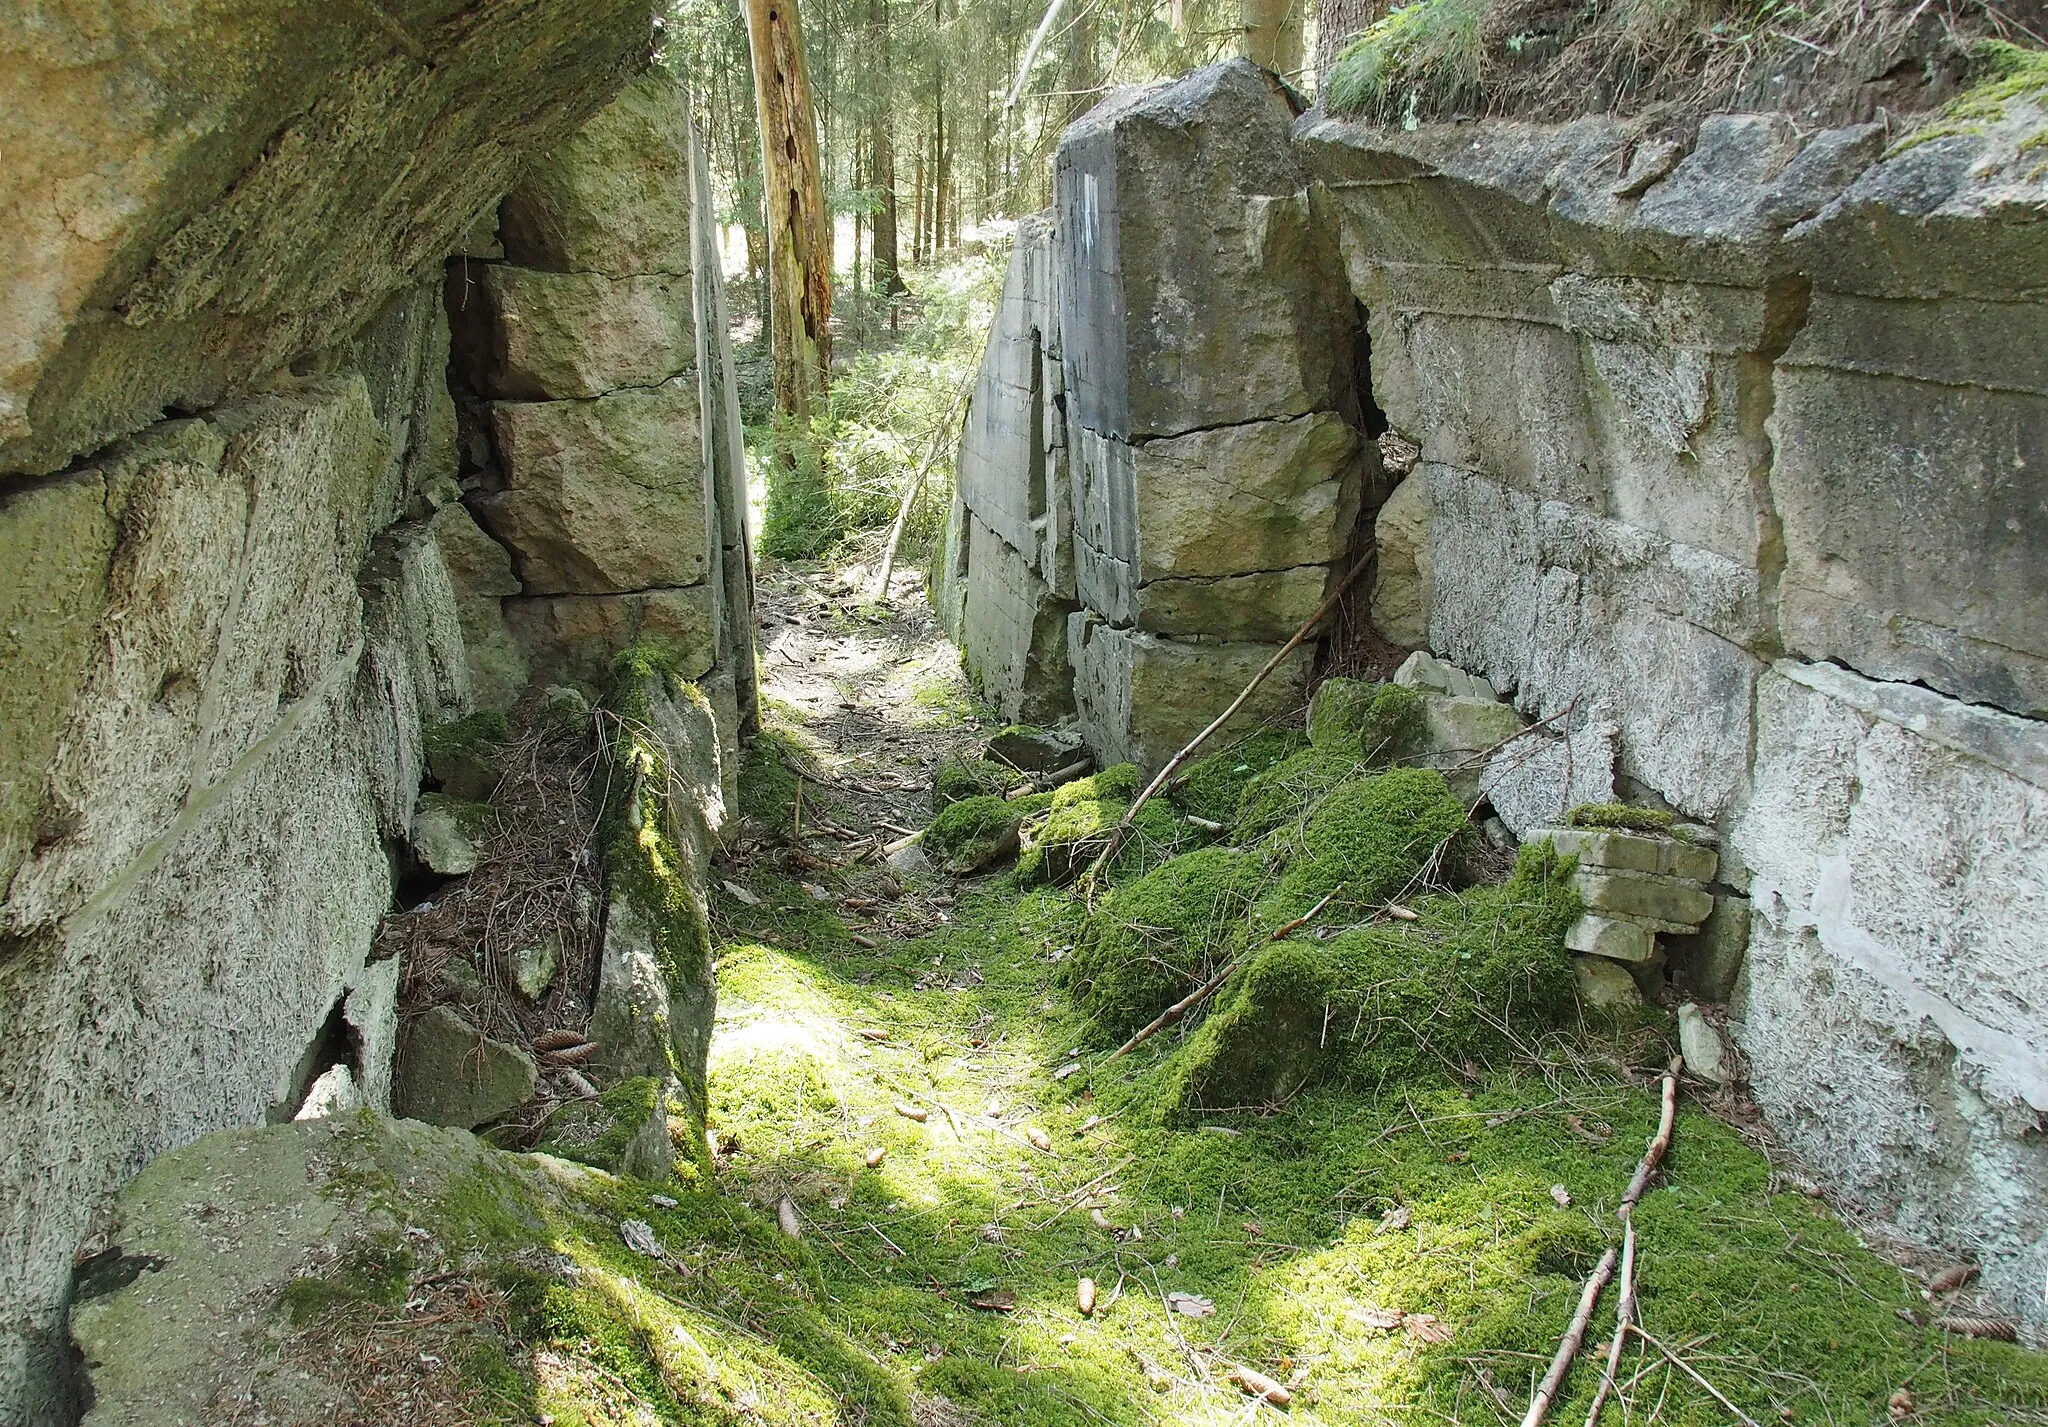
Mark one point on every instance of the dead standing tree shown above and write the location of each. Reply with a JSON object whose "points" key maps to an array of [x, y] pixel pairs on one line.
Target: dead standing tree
{"points": [[793, 195]]}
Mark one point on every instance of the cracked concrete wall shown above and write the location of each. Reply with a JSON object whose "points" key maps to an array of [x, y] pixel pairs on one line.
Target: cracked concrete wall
{"points": [[1741, 463], [221, 634], [1163, 453]]}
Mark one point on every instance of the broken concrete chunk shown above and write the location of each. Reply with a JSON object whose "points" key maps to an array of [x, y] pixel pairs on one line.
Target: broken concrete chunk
{"points": [[1665, 902], [446, 833], [1635, 852], [1700, 1043], [1712, 960], [1604, 985], [450, 1073], [625, 1131], [1423, 670], [1403, 572], [1612, 939], [1035, 750]]}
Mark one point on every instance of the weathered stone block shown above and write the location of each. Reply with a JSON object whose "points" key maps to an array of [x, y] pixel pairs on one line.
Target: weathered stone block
{"points": [[1898, 847], [1261, 496], [447, 833], [1882, 483], [574, 638], [1402, 572], [1667, 903], [1201, 285], [450, 1073], [1140, 698], [1423, 670], [1705, 1054], [544, 336], [615, 197], [1012, 425], [1711, 961], [480, 572], [1634, 852], [1537, 779], [602, 496], [1268, 606], [228, 191], [1612, 939], [1603, 985], [1014, 633], [1566, 608]]}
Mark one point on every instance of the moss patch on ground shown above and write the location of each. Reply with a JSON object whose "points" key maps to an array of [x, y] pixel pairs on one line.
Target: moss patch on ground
{"points": [[1338, 1239]]}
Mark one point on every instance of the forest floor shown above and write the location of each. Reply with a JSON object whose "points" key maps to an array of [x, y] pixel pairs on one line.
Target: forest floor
{"points": [[898, 1071]]}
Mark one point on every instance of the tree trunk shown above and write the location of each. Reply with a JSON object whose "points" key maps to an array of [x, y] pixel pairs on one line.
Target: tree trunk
{"points": [[1338, 23], [1081, 74], [799, 232], [882, 156], [1272, 34]]}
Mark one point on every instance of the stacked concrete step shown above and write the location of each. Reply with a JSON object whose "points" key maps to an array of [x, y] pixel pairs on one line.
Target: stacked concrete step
{"points": [[1635, 885]]}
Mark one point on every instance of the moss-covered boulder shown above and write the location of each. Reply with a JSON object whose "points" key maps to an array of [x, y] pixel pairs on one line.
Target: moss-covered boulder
{"points": [[447, 833], [1212, 787], [1288, 792], [656, 994], [1078, 827], [450, 1073], [975, 833], [252, 1264], [1476, 972], [1369, 840], [1154, 939], [1378, 722], [625, 1130]]}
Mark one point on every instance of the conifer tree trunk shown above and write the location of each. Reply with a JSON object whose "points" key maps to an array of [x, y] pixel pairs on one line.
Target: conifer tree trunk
{"points": [[1338, 23], [1272, 34], [799, 231], [1081, 73], [882, 163]]}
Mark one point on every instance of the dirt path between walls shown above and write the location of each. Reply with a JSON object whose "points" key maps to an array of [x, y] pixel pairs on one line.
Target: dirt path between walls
{"points": [[899, 1076]]}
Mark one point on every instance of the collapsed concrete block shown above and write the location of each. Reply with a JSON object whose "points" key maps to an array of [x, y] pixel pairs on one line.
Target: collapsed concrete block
{"points": [[1612, 938], [1402, 572], [450, 1073], [574, 638], [1423, 670], [1635, 852]]}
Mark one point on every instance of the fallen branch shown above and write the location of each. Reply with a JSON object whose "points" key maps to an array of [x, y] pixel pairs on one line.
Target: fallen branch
{"points": [[1659, 1143], [1121, 833], [880, 591], [1624, 1316], [1687, 1368], [1208, 988], [1575, 1335], [1546, 1391]]}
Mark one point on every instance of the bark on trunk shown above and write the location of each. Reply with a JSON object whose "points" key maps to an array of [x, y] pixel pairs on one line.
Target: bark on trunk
{"points": [[799, 232], [1338, 23], [1272, 34]]}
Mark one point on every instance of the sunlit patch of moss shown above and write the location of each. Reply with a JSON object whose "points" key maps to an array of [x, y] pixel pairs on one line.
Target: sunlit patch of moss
{"points": [[1280, 1224], [1368, 841], [2002, 74], [938, 703], [1213, 786], [1477, 976], [1079, 830], [599, 1132], [375, 1270]]}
